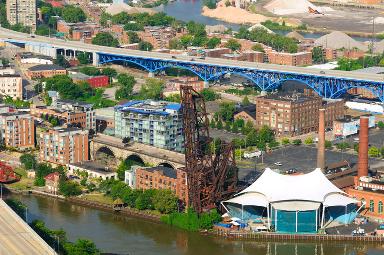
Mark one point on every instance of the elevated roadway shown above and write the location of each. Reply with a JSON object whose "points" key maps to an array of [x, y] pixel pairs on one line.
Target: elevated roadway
{"points": [[17, 237], [6, 34], [328, 84]]}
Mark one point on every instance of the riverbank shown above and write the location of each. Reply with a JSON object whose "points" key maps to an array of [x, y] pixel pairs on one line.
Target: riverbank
{"points": [[92, 204]]}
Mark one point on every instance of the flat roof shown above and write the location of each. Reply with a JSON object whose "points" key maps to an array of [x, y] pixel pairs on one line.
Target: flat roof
{"points": [[289, 97], [167, 171], [149, 107], [45, 67]]}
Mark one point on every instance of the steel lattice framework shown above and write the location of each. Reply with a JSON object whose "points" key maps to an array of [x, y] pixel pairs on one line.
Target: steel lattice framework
{"points": [[212, 176], [266, 80]]}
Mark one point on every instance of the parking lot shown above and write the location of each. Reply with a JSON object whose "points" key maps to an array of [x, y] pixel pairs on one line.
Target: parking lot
{"points": [[302, 158], [376, 138]]}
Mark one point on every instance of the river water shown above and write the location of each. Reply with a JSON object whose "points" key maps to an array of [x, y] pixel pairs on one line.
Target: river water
{"points": [[126, 235], [190, 10]]}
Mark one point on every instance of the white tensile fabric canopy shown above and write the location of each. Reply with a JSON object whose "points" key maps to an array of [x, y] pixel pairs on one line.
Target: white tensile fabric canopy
{"points": [[272, 187]]}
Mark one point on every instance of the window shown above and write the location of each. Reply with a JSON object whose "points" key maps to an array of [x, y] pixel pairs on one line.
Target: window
{"points": [[371, 206], [380, 207]]}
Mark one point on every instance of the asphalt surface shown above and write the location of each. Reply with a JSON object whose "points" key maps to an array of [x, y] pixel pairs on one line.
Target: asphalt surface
{"points": [[302, 158], [376, 138]]}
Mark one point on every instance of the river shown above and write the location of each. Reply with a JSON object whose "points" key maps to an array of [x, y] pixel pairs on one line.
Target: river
{"points": [[126, 235], [190, 10]]}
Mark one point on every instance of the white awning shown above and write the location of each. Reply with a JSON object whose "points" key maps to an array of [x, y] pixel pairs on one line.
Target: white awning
{"points": [[254, 199], [313, 186], [338, 200], [296, 206]]}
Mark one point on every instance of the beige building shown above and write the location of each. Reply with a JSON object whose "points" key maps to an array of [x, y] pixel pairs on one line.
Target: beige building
{"points": [[22, 12], [17, 130], [11, 85], [63, 146]]}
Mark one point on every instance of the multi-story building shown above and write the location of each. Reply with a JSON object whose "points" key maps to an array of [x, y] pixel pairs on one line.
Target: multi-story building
{"points": [[22, 12], [78, 31], [65, 117], [158, 36], [11, 85], [45, 71], [63, 146], [290, 59], [75, 106], [93, 81], [17, 130], [173, 86], [157, 123], [295, 114], [163, 178]]}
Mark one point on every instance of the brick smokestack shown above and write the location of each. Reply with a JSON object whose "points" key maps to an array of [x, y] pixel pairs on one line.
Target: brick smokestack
{"points": [[321, 141], [362, 167]]}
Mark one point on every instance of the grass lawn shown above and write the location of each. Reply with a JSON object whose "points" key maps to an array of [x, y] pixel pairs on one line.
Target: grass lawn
{"points": [[23, 184], [98, 197]]}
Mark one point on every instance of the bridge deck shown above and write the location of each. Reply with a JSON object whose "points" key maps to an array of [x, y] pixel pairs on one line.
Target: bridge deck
{"points": [[9, 35], [17, 238]]}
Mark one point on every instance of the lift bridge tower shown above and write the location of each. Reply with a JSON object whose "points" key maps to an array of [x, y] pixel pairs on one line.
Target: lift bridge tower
{"points": [[211, 174]]}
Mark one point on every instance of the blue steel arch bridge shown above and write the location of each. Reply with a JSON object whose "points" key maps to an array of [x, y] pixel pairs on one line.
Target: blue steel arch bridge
{"points": [[330, 87]]}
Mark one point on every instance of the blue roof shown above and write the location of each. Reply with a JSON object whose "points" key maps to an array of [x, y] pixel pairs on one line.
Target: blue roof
{"points": [[141, 105]]}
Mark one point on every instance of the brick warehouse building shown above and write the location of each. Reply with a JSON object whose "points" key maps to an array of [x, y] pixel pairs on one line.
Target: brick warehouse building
{"points": [[163, 178], [295, 114]]}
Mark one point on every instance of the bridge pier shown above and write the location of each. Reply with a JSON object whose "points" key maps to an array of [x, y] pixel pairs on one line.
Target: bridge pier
{"points": [[151, 75], [263, 93], [95, 59]]}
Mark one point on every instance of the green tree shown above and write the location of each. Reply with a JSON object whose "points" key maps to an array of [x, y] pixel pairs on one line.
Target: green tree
{"points": [[84, 58], [209, 95], [285, 141], [213, 42], [90, 70], [380, 124], [61, 61], [211, 4], [328, 144], [226, 111], [297, 141], [133, 37], [317, 55], [233, 44], [73, 14], [219, 124], [228, 126], [133, 27], [382, 151], [212, 123], [145, 46], [110, 72], [308, 141], [245, 101], [42, 30], [105, 39], [342, 146], [356, 147], [186, 41], [69, 188], [258, 47], [373, 151], [235, 127], [165, 201], [81, 247], [28, 160], [152, 89]]}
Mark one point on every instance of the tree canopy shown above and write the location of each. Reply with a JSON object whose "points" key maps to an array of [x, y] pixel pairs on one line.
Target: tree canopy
{"points": [[73, 14], [105, 39]]}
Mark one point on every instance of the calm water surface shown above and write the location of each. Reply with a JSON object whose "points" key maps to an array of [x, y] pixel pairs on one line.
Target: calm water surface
{"points": [[134, 236]]}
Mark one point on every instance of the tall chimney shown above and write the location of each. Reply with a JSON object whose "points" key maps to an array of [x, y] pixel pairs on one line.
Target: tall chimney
{"points": [[362, 167], [321, 141]]}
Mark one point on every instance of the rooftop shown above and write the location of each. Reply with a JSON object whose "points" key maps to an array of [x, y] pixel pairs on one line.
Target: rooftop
{"points": [[289, 97], [166, 171], [45, 67], [149, 107]]}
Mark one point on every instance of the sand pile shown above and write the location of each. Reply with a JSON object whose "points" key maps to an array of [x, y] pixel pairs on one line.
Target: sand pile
{"points": [[123, 7], [232, 14], [287, 7]]}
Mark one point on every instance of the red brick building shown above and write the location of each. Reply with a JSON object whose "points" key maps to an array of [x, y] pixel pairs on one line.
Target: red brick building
{"points": [[45, 71], [290, 59], [17, 130], [163, 178], [173, 86]]}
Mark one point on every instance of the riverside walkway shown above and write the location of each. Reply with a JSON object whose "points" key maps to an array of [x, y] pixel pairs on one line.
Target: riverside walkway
{"points": [[17, 237]]}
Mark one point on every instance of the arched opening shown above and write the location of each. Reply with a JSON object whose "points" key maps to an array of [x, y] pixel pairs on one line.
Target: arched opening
{"points": [[124, 62], [105, 156], [165, 164], [127, 164], [362, 93], [177, 72]]}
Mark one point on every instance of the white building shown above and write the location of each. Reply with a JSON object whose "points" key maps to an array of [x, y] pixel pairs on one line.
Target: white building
{"points": [[93, 170], [11, 85], [292, 203], [130, 177]]}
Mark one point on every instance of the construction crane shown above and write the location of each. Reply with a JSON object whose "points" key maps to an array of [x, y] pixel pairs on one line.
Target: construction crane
{"points": [[211, 175]]}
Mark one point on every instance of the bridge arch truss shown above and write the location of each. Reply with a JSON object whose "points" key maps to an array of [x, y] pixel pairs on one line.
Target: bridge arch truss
{"points": [[266, 80]]}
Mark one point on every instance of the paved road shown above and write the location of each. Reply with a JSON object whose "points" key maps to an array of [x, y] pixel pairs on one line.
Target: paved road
{"points": [[376, 138], [6, 34], [17, 238]]}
